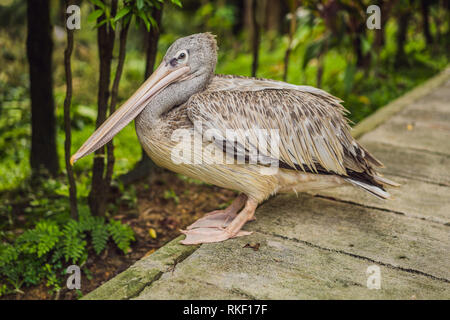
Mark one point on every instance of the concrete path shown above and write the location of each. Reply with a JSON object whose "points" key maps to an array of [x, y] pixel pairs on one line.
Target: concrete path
{"points": [[329, 246]]}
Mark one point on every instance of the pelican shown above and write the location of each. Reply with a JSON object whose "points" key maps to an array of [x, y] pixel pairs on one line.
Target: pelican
{"points": [[184, 97]]}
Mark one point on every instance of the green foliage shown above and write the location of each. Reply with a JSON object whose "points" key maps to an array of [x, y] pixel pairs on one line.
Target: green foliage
{"points": [[190, 180], [74, 243], [41, 240], [139, 9], [128, 194], [122, 234], [216, 16], [41, 254], [170, 194]]}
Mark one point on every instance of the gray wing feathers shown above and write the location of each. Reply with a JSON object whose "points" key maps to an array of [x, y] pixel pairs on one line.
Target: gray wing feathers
{"points": [[241, 83], [313, 130]]}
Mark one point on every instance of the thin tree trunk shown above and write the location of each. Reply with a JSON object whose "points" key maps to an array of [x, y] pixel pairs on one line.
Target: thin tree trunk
{"points": [[114, 94], [146, 166], [99, 190], [438, 23], [152, 43], [426, 21], [400, 57], [362, 60], [247, 17], [380, 36], [320, 67], [43, 123], [292, 28], [67, 127], [446, 6], [273, 16], [255, 38]]}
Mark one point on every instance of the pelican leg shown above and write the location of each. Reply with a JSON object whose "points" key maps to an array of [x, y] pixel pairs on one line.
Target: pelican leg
{"points": [[217, 234], [220, 218]]}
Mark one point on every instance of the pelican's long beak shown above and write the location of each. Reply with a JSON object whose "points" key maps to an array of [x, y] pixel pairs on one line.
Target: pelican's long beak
{"points": [[161, 78]]}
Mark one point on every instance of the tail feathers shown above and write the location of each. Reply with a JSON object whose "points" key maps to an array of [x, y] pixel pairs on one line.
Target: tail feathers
{"points": [[371, 159], [384, 180], [375, 190]]}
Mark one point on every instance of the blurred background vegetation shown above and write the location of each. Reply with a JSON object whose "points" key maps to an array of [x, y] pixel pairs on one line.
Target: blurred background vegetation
{"points": [[320, 43]]}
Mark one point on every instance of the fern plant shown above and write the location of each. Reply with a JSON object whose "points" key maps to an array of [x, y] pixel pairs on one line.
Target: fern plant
{"points": [[122, 234], [41, 254]]}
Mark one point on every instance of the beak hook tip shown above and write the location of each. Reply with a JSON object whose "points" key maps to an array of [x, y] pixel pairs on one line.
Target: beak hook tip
{"points": [[72, 160]]}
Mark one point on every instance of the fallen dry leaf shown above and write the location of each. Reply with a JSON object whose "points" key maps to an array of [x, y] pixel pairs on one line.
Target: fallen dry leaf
{"points": [[254, 246], [152, 233]]}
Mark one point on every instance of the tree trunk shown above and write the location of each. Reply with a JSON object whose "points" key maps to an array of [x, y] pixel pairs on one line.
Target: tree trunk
{"points": [[426, 21], [105, 40], [438, 22], [255, 35], [152, 43], [292, 28], [362, 60], [320, 64], [247, 16], [146, 166], [273, 16], [43, 123], [380, 36], [114, 95], [446, 6], [67, 128], [403, 20]]}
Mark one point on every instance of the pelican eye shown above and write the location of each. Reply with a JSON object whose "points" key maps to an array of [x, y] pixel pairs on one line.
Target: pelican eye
{"points": [[182, 55]]}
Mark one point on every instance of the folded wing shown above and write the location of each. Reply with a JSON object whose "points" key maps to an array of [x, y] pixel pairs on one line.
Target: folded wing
{"points": [[314, 134]]}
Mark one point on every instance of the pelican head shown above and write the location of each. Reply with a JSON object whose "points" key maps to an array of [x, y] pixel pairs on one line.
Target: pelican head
{"points": [[186, 69]]}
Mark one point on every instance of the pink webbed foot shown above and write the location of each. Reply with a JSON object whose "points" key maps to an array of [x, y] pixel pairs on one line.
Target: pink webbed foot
{"points": [[220, 218], [215, 219], [197, 235], [209, 235]]}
